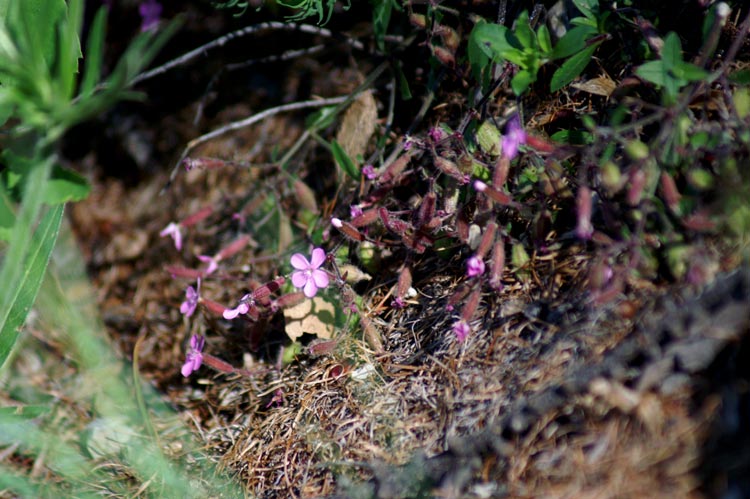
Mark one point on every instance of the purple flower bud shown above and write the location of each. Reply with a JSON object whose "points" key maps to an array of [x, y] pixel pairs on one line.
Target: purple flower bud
{"points": [[461, 329], [474, 266], [194, 357]]}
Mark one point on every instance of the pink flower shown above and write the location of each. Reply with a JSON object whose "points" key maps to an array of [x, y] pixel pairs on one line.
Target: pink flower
{"points": [[461, 329], [194, 357], [241, 309], [308, 275], [514, 137], [369, 172], [192, 297], [173, 230], [474, 266], [212, 262]]}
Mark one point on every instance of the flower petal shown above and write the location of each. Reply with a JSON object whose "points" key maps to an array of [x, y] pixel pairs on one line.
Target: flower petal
{"points": [[318, 258], [187, 368], [299, 279], [299, 262], [320, 277], [310, 288]]}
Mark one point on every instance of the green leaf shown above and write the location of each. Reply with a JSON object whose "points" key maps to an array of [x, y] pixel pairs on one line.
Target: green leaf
{"points": [[740, 77], [671, 53], [523, 32], [573, 41], [654, 72], [545, 41], [94, 53], [688, 71], [7, 217], [381, 16], [478, 58], [24, 291], [344, 161], [496, 41], [521, 81], [587, 7], [66, 185], [571, 68]]}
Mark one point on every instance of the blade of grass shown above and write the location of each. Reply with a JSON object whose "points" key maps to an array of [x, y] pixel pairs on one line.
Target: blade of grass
{"points": [[27, 257]]}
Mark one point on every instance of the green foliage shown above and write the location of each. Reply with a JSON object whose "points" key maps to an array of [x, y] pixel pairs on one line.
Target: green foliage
{"points": [[530, 50], [344, 161], [311, 8], [671, 73], [40, 93]]}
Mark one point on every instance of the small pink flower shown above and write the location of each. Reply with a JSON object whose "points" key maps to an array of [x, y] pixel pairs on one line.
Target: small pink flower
{"points": [[192, 297], [461, 329], [514, 137], [308, 275], [474, 266], [173, 230], [194, 357], [436, 134], [369, 172], [212, 262], [355, 210], [241, 309], [398, 303]]}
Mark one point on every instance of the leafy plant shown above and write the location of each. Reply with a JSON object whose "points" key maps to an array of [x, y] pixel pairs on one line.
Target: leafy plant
{"points": [[671, 73], [530, 50], [310, 8], [40, 98]]}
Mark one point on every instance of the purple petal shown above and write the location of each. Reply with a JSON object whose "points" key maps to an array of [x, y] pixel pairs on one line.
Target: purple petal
{"points": [[187, 308], [318, 258], [310, 288], [299, 279], [320, 277], [299, 262], [231, 313], [187, 368]]}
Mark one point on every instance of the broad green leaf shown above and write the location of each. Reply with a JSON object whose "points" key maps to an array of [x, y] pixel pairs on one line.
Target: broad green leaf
{"points": [[523, 32], [522, 80], [571, 68], [654, 72], [671, 53], [344, 161], [24, 291], [66, 185], [688, 71], [495, 40], [573, 41]]}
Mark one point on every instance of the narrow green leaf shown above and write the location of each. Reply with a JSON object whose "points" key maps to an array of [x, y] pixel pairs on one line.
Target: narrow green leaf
{"points": [[572, 68], [94, 53], [671, 53], [587, 7], [344, 161], [545, 41], [25, 290]]}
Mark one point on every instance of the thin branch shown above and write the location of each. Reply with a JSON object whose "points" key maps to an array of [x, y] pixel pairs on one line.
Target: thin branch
{"points": [[223, 40], [294, 106]]}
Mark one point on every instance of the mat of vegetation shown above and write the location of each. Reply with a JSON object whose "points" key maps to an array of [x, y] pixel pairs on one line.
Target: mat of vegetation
{"points": [[391, 249]]}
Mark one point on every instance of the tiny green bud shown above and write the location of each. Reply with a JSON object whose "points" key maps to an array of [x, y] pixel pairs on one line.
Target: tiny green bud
{"points": [[488, 138], [637, 150]]}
